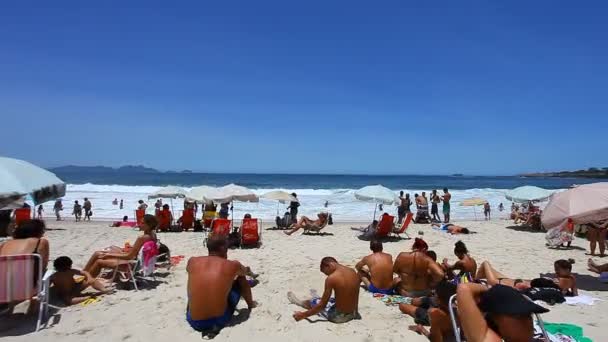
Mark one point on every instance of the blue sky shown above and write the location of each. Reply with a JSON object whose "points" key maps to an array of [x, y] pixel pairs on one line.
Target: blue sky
{"points": [[304, 87]]}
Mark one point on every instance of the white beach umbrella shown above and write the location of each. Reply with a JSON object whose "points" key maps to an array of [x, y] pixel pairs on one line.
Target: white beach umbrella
{"points": [[168, 192], [583, 204], [201, 194], [377, 194], [232, 192], [528, 193], [280, 197], [19, 178], [473, 202]]}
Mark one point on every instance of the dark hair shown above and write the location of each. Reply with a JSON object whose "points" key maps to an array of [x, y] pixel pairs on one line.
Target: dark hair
{"points": [[29, 229], [432, 255], [140, 201], [564, 264], [294, 194], [150, 221], [328, 260], [375, 246], [165, 206], [420, 245], [415, 194], [401, 192], [445, 189], [125, 218], [217, 245], [445, 289], [63, 263], [460, 248], [465, 231], [247, 216]]}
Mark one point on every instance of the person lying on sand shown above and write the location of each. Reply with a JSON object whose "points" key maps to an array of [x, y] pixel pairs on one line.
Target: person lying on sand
{"points": [[215, 286], [597, 268], [67, 288], [306, 222], [417, 273], [341, 280], [451, 228], [495, 314], [113, 256], [433, 311], [563, 271], [376, 270], [466, 265]]}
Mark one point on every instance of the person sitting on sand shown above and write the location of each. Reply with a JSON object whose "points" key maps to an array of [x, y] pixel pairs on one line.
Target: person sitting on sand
{"points": [[495, 314], [433, 311], [451, 228], [466, 265], [344, 283], [417, 272], [113, 256], [215, 286], [28, 238], [563, 271], [306, 222], [376, 270], [597, 268], [67, 288]]}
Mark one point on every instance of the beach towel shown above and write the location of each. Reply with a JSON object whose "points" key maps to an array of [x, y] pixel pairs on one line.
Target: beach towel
{"points": [[393, 299], [175, 260], [557, 236], [581, 300], [562, 332], [149, 250]]}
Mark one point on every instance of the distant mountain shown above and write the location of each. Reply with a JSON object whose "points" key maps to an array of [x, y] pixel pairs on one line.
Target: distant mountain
{"points": [[592, 172], [127, 169]]}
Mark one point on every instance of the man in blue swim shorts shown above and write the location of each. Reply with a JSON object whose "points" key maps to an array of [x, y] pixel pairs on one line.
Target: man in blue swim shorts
{"points": [[215, 286], [376, 270]]}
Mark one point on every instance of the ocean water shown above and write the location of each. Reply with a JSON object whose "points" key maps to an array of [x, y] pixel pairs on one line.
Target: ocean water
{"points": [[313, 191]]}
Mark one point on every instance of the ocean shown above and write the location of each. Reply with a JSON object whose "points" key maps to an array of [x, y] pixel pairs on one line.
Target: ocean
{"points": [[313, 191]]}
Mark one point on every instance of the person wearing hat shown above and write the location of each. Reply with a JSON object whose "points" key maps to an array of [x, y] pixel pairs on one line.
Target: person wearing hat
{"points": [[508, 314]]}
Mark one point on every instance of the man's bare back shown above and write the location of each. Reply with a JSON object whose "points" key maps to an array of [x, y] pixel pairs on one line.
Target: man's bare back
{"points": [[417, 272], [345, 283], [381, 269]]}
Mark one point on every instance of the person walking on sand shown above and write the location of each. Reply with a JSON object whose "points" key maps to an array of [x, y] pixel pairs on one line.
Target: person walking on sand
{"points": [[40, 210], [435, 199], [376, 270], [215, 286], [77, 211], [57, 208], [87, 206], [344, 283], [446, 205], [401, 208]]}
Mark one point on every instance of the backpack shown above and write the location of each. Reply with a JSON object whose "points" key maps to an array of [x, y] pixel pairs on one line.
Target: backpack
{"points": [[163, 249]]}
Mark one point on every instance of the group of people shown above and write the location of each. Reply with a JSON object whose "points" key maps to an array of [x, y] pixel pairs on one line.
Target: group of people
{"points": [[422, 206], [77, 210]]}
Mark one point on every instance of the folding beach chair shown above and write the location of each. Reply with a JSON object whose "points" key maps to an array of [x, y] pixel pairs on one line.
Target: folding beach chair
{"points": [[187, 219], [313, 228], [208, 217], [251, 234], [164, 220], [219, 227], [139, 216], [385, 226], [17, 283], [404, 226], [22, 215], [138, 270]]}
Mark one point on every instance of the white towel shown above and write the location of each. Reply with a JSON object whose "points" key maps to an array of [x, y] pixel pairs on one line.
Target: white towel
{"points": [[581, 299]]}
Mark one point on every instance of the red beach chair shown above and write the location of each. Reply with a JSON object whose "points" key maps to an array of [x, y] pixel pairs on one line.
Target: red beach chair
{"points": [[406, 223], [385, 227], [22, 215], [250, 232]]}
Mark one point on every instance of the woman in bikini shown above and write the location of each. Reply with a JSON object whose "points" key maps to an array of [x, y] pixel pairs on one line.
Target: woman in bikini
{"points": [[305, 221], [466, 265], [28, 238], [113, 256]]}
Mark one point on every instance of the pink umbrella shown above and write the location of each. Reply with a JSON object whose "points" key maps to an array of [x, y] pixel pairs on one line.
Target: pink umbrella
{"points": [[583, 204]]}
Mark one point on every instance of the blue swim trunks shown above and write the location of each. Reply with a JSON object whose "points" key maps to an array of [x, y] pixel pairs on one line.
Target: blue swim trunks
{"points": [[374, 289], [217, 323], [332, 314]]}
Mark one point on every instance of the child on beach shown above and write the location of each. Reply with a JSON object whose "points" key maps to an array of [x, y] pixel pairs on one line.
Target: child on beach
{"points": [[68, 288], [77, 212]]}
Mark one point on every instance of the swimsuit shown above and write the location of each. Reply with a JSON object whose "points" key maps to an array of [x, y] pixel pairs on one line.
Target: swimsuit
{"points": [[332, 314], [446, 208], [217, 323], [374, 289]]}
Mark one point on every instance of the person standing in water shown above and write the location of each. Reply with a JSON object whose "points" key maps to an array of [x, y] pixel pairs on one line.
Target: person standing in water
{"points": [[121, 204], [87, 206], [446, 205], [293, 208], [40, 210], [57, 208]]}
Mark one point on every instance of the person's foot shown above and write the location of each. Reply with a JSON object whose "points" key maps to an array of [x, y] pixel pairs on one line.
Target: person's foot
{"points": [[287, 233], [416, 328], [293, 299]]}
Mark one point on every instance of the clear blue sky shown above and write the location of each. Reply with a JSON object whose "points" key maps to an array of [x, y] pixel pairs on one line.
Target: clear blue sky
{"points": [[395, 87]]}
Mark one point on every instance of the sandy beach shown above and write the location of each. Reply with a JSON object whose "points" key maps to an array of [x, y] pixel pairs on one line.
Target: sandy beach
{"points": [[290, 263]]}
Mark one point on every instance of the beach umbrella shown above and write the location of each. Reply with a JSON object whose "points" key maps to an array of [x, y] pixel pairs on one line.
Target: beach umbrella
{"points": [[377, 194], [169, 192], [200, 193], [583, 204], [528, 193], [280, 197], [473, 202], [19, 178], [230, 193]]}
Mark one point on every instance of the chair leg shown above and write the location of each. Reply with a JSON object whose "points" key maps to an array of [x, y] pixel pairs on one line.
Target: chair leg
{"points": [[132, 275]]}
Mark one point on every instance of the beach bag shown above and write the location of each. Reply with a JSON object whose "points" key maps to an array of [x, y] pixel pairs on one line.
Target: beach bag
{"points": [[163, 252], [198, 226], [548, 295]]}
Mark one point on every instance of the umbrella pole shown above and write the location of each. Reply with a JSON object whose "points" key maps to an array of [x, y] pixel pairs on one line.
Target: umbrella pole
{"points": [[172, 213], [278, 207], [376, 207], [232, 213]]}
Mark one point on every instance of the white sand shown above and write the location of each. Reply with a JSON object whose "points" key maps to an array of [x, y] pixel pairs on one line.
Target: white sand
{"points": [[290, 263]]}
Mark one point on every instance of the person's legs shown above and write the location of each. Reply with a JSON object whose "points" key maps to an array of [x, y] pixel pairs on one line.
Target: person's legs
{"points": [[295, 228], [305, 303], [602, 241], [365, 278], [408, 309], [245, 289], [592, 236], [100, 264], [492, 276], [597, 268]]}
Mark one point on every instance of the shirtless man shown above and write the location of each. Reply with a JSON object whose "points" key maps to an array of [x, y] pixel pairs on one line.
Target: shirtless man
{"points": [[418, 274], [215, 285], [446, 205], [376, 270], [341, 280], [435, 199], [451, 228]]}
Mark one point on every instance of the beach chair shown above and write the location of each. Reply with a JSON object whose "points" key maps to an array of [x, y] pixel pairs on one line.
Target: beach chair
{"points": [[22, 215], [404, 226], [187, 219], [137, 270], [385, 226], [17, 284], [251, 234], [459, 334], [164, 220], [208, 217], [313, 228], [219, 227]]}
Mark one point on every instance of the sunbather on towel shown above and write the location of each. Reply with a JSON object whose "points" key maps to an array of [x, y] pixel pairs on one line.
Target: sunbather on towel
{"points": [[466, 265], [435, 313], [70, 290], [215, 286], [342, 281], [495, 314], [451, 228], [306, 222], [376, 270], [417, 273]]}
